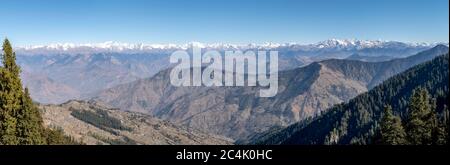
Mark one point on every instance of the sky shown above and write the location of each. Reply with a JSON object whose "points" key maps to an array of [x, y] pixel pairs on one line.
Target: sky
{"points": [[32, 22]]}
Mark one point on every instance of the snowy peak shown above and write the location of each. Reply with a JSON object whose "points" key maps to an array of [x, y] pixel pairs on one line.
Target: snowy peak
{"points": [[109, 45], [112, 46], [361, 44], [336, 43]]}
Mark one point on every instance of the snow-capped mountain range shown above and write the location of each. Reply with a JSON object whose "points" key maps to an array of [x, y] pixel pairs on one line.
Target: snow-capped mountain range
{"points": [[112, 46]]}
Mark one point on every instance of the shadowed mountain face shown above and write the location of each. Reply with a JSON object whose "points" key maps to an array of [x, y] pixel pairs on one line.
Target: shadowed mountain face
{"points": [[238, 111], [356, 121]]}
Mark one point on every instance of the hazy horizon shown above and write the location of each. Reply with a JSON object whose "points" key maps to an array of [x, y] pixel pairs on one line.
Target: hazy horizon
{"points": [[237, 22]]}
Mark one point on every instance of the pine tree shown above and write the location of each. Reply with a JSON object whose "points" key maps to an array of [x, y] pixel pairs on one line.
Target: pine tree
{"points": [[392, 132], [29, 124], [446, 124], [10, 95], [56, 136], [422, 119], [20, 121], [440, 135], [9, 59]]}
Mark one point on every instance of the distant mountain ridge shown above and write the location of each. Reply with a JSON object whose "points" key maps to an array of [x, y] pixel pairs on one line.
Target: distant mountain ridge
{"points": [[369, 58], [236, 112], [112, 46]]}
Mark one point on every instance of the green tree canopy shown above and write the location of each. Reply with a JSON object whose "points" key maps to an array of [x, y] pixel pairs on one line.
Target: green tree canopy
{"points": [[392, 132], [20, 120], [422, 119]]}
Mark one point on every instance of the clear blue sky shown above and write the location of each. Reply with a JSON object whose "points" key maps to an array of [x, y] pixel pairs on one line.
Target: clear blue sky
{"points": [[30, 22]]}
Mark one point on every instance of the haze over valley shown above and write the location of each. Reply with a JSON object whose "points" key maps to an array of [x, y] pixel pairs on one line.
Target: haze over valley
{"points": [[135, 78]]}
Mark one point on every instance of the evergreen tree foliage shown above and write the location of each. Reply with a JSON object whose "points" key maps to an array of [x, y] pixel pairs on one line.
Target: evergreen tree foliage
{"points": [[422, 120], [20, 120], [56, 137], [30, 122], [392, 132], [446, 123], [10, 96]]}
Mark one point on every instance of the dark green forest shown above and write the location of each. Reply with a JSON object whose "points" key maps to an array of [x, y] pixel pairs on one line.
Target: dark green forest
{"points": [[409, 108], [100, 119]]}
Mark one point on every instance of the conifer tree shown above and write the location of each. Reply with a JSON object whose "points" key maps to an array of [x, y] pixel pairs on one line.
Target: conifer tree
{"points": [[10, 96], [446, 124], [9, 59], [440, 135], [29, 124], [20, 121], [392, 132], [422, 119]]}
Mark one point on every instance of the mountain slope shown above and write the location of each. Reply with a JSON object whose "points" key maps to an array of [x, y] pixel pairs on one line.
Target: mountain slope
{"points": [[94, 123], [237, 112], [356, 121], [86, 73], [369, 58], [46, 89]]}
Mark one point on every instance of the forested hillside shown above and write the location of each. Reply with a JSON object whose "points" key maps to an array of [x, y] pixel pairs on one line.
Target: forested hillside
{"points": [[417, 96]]}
